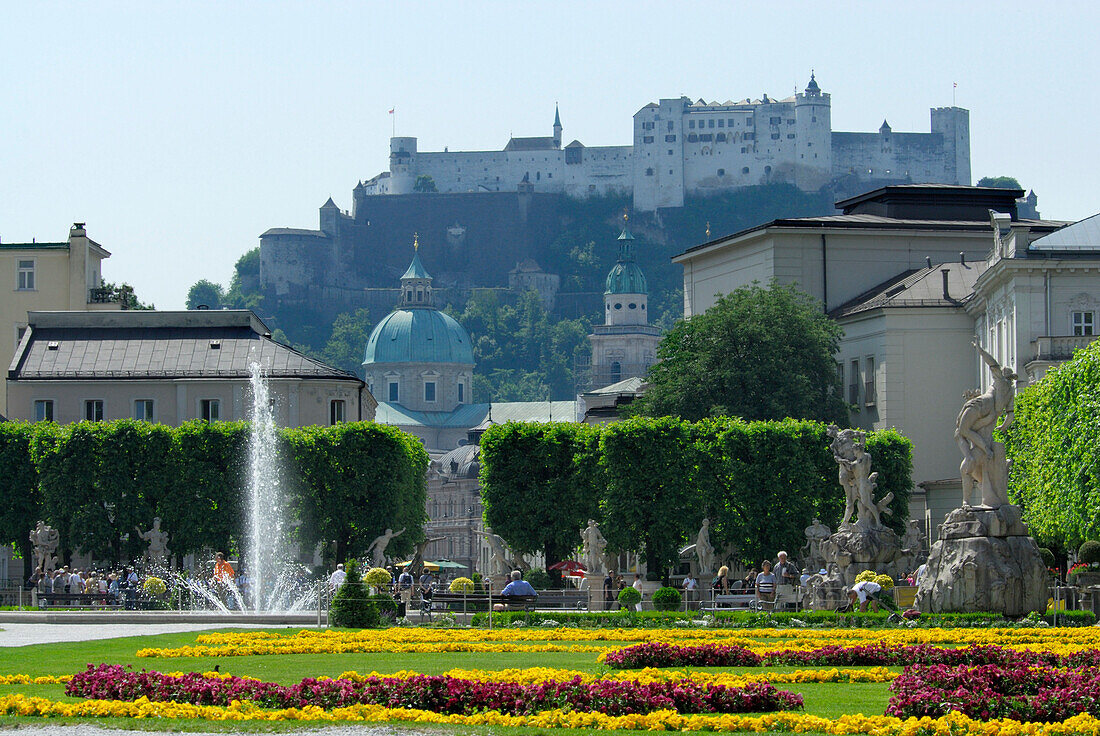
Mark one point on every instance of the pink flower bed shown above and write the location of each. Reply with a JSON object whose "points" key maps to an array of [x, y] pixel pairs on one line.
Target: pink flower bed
{"points": [[1024, 693], [718, 655], [447, 695]]}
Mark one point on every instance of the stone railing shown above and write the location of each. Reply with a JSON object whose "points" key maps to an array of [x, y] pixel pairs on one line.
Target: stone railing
{"points": [[1060, 347]]}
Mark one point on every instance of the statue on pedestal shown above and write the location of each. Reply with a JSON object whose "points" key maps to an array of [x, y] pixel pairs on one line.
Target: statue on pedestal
{"points": [[593, 547], [816, 534], [856, 478], [984, 464], [157, 551], [44, 539], [499, 566], [378, 547]]}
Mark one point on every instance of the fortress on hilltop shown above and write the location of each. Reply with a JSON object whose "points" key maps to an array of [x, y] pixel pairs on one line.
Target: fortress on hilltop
{"points": [[682, 147]]}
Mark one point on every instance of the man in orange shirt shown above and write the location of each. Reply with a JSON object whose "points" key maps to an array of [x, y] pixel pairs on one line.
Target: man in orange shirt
{"points": [[223, 571]]}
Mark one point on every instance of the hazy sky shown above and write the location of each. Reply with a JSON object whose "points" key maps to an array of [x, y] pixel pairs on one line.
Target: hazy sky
{"points": [[180, 132]]}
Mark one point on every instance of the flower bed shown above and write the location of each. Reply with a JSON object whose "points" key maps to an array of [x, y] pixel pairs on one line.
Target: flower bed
{"points": [[656, 654], [437, 694], [1024, 693]]}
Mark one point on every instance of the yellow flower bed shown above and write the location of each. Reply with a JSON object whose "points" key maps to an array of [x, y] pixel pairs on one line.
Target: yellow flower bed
{"points": [[536, 675], [32, 680], [561, 639], [666, 720]]}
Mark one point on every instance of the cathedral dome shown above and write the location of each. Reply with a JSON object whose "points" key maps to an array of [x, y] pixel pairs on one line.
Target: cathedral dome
{"points": [[418, 336], [626, 276]]}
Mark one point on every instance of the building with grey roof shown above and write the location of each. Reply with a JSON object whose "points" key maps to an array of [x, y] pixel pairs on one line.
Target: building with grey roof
{"points": [[913, 274], [169, 367]]}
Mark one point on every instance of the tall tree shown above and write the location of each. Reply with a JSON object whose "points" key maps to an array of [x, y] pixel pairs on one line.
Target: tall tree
{"points": [[348, 340], [999, 182], [204, 293], [20, 499], [758, 353]]}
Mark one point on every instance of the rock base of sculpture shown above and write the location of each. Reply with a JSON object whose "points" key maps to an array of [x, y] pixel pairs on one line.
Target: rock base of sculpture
{"points": [[855, 548], [984, 561]]}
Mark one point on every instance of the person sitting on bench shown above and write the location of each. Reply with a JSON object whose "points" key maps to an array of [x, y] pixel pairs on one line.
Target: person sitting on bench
{"points": [[516, 589]]}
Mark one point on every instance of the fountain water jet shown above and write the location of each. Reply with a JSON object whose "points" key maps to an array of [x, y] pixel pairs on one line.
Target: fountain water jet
{"points": [[265, 545]]}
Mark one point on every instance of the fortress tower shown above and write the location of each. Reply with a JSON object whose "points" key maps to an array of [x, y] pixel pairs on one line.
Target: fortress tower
{"points": [[954, 124], [813, 163]]}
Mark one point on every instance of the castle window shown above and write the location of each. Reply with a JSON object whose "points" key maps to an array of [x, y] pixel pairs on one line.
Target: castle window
{"points": [[670, 125], [790, 122], [744, 149], [616, 372], [1083, 323], [143, 410], [337, 411], [692, 137], [748, 122], [767, 169], [790, 136], [809, 144], [813, 119], [618, 305], [775, 136], [745, 170], [394, 393], [706, 137], [429, 391], [730, 122], [710, 123], [775, 121], [691, 124], [721, 172], [649, 171], [750, 136], [632, 305], [721, 123], [670, 139], [647, 139], [461, 393], [721, 137]]}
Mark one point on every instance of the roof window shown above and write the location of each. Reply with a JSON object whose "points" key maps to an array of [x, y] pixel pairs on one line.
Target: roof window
{"points": [[53, 345], [215, 344]]}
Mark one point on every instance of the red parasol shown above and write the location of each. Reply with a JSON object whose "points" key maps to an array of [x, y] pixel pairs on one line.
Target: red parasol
{"points": [[570, 567]]}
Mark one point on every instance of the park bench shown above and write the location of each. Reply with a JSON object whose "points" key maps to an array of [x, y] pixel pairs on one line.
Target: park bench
{"points": [[78, 600], [564, 599], [728, 601]]}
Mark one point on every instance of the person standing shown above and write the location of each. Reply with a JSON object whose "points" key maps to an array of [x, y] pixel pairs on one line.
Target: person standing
{"points": [[337, 578], [765, 583], [609, 590], [786, 573], [638, 587], [690, 584], [405, 587]]}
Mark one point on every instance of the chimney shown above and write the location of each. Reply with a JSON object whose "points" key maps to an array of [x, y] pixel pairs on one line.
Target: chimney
{"points": [[962, 258], [928, 262], [946, 290]]}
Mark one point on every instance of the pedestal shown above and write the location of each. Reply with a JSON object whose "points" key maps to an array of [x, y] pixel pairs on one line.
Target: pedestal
{"points": [[856, 548], [593, 583], [984, 561]]}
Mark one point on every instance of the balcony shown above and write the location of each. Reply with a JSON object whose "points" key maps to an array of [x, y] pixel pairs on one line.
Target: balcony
{"points": [[103, 295], [1060, 347]]}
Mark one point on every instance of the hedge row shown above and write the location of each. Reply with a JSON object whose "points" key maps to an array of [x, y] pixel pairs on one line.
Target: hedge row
{"points": [[95, 482]]}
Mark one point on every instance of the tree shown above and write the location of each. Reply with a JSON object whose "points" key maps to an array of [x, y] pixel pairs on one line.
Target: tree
{"points": [[424, 184], [535, 490], [757, 353], [124, 295], [345, 347], [20, 499], [999, 182], [205, 293], [355, 479], [1054, 445]]}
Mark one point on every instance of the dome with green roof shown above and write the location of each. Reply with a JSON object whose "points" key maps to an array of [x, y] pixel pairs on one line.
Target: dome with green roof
{"points": [[626, 276], [418, 335]]}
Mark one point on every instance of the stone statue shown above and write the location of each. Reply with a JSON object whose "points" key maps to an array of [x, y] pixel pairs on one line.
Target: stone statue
{"points": [[378, 546], [816, 533], [498, 557], [704, 550], [44, 539], [418, 556], [913, 541], [157, 551], [592, 548], [854, 465], [984, 464]]}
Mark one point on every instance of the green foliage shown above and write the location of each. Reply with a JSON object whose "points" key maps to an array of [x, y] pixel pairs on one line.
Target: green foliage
{"points": [[1054, 445], [124, 295], [1089, 552], [345, 346], [758, 353], [204, 293], [538, 578], [351, 608], [629, 597], [424, 184], [759, 483], [377, 577], [536, 485], [999, 182], [667, 599], [355, 479], [20, 499], [1048, 557]]}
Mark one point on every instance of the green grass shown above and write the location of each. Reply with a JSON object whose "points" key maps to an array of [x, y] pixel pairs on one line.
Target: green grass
{"points": [[829, 700]]}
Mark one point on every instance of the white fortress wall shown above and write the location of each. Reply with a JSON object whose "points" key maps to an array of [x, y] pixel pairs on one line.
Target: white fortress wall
{"points": [[916, 156]]}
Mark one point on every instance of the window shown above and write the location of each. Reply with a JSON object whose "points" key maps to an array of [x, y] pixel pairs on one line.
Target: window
{"points": [[649, 171], [670, 139], [1083, 323], [616, 372], [43, 410], [721, 172], [692, 137], [730, 122], [647, 139], [461, 393], [721, 123], [19, 332], [790, 136], [744, 150], [853, 382], [143, 410], [93, 410], [767, 169], [750, 136], [710, 123], [744, 169], [393, 393], [429, 391], [775, 121], [869, 395], [337, 411], [210, 410], [790, 122], [748, 122], [720, 137], [691, 125], [26, 276], [670, 126], [775, 136], [706, 137]]}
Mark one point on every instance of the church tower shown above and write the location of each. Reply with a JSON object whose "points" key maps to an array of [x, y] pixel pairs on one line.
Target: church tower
{"points": [[625, 345], [557, 128]]}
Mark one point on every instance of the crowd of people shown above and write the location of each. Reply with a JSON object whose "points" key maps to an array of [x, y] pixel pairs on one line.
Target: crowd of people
{"points": [[109, 587]]}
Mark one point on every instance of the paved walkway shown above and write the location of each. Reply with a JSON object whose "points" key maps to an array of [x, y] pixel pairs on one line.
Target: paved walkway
{"points": [[18, 635]]}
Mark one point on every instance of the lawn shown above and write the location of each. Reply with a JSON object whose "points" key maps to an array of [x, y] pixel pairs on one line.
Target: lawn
{"points": [[828, 700]]}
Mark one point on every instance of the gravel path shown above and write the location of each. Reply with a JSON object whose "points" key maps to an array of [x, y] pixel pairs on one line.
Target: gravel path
{"points": [[18, 635]]}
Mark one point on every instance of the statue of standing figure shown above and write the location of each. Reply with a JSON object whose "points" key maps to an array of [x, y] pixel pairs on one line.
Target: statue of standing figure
{"points": [[704, 550], [816, 534], [44, 539], [859, 483], [157, 551], [984, 464], [498, 557], [593, 547], [378, 546]]}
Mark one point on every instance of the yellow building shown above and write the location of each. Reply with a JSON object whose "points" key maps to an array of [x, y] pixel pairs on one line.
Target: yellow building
{"points": [[35, 276]]}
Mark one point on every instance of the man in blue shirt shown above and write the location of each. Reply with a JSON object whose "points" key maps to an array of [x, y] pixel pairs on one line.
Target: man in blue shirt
{"points": [[518, 586]]}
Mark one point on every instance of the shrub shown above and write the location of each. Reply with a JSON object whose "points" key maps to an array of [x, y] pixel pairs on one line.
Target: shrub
{"points": [[462, 585], [1089, 553], [667, 599], [385, 607], [377, 577], [1048, 557], [865, 575], [885, 581], [629, 597], [154, 587], [350, 607], [538, 578]]}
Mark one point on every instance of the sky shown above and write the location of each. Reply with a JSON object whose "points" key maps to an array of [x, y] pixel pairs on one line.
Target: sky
{"points": [[181, 131]]}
